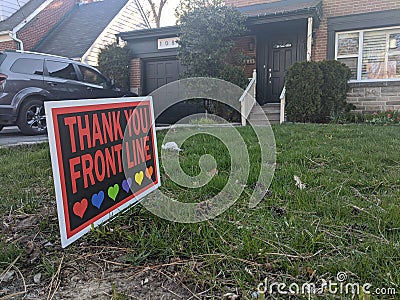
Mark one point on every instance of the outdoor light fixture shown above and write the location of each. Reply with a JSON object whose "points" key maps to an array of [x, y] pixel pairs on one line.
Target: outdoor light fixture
{"points": [[251, 45]]}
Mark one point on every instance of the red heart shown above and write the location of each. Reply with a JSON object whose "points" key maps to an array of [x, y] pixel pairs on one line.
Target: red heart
{"points": [[80, 208], [149, 172]]}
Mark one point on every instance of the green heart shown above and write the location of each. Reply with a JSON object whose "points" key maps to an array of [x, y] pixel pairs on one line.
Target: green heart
{"points": [[113, 191]]}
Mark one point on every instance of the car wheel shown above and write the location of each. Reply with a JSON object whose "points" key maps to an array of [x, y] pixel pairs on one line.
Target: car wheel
{"points": [[32, 118]]}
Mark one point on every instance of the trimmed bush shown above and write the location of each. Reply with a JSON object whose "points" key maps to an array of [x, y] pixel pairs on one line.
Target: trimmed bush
{"points": [[334, 89], [317, 91], [303, 92]]}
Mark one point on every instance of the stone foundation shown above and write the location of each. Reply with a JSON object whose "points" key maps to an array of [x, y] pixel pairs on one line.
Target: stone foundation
{"points": [[375, 96]]}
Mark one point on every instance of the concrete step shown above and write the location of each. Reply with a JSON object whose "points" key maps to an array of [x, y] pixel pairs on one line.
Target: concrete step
{"points": [[271, 110], [263, 123]]}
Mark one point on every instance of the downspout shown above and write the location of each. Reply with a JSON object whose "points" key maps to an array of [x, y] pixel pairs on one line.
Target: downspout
{"points": [[309, 37], [13, 35]]}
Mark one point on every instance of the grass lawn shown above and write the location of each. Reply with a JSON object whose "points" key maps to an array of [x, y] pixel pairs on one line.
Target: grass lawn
{"points": [[347, 219]]}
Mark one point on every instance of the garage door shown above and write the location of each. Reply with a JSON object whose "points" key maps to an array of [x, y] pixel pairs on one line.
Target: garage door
{"points": [[159, 73]]}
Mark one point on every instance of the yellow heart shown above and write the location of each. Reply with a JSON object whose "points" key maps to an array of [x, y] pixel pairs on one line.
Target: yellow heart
{"points": [[139, 177]]}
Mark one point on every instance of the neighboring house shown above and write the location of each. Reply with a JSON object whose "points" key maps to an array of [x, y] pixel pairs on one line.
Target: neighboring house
{"points": [[8, 7], [365, 35], [71, 28], [27, 26]]}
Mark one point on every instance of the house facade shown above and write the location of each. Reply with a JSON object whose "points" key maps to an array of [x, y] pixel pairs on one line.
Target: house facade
{"points": [[365, 35], [76, 29]]}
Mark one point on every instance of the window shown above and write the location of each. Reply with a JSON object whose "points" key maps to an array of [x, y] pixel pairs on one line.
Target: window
{"points": [[2, 57], [28, 66], [61, 70], [91, 76], [370, 54]]}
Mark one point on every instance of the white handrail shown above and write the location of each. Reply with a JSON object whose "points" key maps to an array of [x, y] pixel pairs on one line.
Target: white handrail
{"points": [[282, 97], [248, 98]]}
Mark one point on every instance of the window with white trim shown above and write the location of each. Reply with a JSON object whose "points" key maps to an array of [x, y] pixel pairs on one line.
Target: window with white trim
{"points": [[370, 54]]}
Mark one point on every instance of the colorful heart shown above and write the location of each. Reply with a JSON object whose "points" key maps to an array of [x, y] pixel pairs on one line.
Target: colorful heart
{"points": [[79, 208], [113, 191], [126, 184], [97, 199], [139, 177], [149, 172]]}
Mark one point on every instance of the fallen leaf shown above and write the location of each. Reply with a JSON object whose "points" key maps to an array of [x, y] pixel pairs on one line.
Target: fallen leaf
{"points": [[6, 277], [299, 184], [37, 277], [230, 296]]}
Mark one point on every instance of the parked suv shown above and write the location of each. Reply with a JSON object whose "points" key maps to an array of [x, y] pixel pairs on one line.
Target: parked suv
{"points": [[28, 79]]}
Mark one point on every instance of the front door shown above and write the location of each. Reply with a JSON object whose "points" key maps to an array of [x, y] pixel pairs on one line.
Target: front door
{"points": [[282, 54], [274, 56]]}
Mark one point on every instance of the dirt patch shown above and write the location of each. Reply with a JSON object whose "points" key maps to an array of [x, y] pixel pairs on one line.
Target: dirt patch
{"points": [[42, 270]]}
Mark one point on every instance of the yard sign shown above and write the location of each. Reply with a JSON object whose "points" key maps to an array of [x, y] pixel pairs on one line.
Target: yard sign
{"points": [[97, 170]]}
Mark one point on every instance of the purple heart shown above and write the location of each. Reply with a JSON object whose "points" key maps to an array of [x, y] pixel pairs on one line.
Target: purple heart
{"points": [[97, 199], [126, 184]]}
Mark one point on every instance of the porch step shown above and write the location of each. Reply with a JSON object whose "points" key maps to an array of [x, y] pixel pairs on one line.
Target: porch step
{"points": [[271, 110]]}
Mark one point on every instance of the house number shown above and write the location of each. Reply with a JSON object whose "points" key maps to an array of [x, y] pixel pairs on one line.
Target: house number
{"points": [[168, 43]]}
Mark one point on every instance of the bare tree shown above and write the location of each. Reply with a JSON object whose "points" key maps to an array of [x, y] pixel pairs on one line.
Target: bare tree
{"points": [[156, 10]]}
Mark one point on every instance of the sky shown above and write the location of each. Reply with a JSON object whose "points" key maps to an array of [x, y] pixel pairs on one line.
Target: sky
{"points": [[168, 14]]}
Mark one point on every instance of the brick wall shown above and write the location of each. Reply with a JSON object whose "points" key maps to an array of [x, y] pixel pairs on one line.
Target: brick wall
{"points": [[242, 50], [36, 29], [135, 76], [8, 45]]}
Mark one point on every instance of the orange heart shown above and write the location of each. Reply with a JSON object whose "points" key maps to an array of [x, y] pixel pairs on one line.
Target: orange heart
{"points": [[149, 172]]}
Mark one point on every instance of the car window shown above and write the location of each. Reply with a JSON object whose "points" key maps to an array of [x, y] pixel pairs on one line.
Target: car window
{"points": [[61, 69], [28, 66], [91, 76], [2, 57]]}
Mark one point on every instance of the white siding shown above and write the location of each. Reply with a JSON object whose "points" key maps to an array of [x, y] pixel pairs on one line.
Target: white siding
{"points": [[129, 18], [8, 7]]}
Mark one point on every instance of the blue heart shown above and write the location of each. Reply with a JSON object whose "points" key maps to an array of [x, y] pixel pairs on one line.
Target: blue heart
{"points": [[97, 199]]}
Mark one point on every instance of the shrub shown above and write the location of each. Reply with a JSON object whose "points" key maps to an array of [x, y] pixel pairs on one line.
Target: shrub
{"points": [[303, 92], [335, 87], [317, 91], [207, 35], [114, 62], [235, 75]]}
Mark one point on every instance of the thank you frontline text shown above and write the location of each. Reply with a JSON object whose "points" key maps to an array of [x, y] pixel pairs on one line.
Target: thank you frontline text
{"points": [[97, 145]]}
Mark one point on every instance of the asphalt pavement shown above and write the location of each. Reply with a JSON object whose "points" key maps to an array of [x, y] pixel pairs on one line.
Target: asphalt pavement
{"points": [[11, 136]]}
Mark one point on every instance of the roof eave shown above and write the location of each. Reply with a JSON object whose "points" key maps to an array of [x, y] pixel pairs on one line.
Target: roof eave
{"points": [[149, 33], [315, 12]]}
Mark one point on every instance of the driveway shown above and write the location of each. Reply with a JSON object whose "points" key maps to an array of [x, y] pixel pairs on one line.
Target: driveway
{"points": [[11, 136]]}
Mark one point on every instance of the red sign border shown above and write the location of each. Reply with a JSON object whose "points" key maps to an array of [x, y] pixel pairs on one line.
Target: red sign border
{"points": [[57, 109]]}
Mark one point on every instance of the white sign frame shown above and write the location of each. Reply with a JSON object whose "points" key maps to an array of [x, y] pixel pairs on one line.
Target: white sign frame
{"points": [[54, 151]]}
